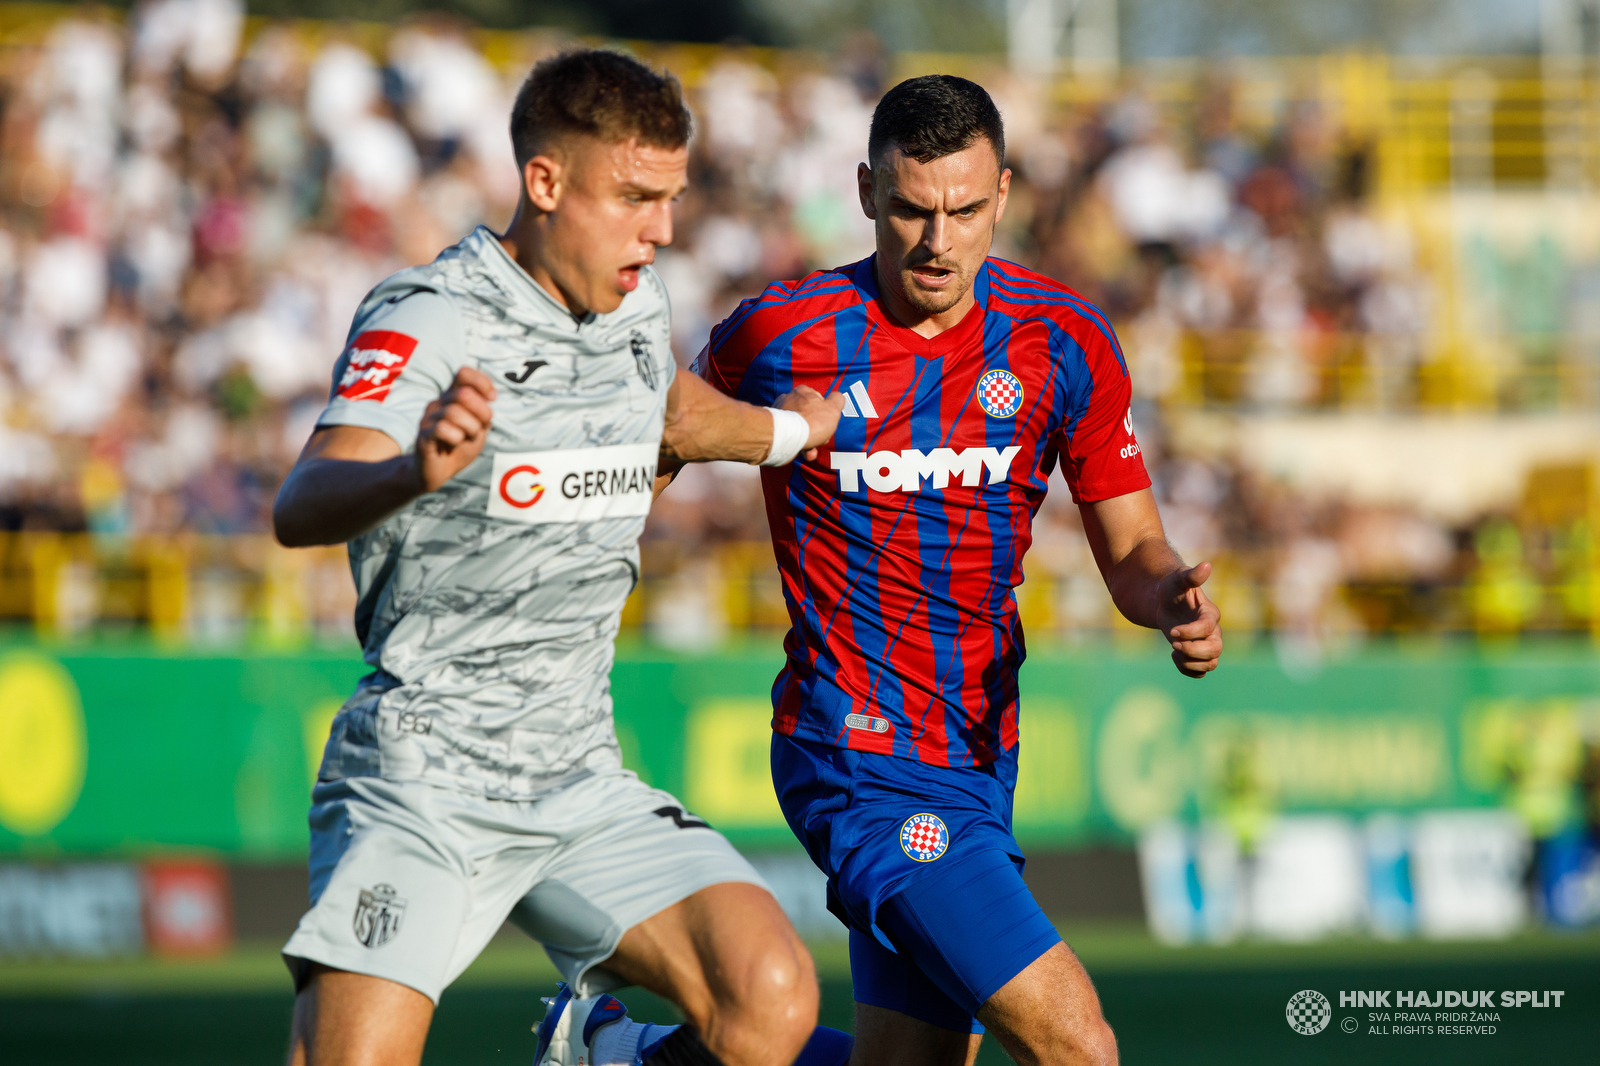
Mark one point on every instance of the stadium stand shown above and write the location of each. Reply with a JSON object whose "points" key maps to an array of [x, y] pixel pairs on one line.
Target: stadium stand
{"points": [[1360, 298]]}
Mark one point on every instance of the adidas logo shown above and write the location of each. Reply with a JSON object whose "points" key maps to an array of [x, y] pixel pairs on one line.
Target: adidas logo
{"points": [[857, 404]]}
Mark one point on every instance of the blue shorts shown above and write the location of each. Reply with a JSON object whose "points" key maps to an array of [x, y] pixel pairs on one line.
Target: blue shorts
{"points": [[924, 870]]}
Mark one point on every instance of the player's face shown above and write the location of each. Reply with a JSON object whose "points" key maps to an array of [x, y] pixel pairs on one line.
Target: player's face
{"points": [[935, 221], [613, 210]]}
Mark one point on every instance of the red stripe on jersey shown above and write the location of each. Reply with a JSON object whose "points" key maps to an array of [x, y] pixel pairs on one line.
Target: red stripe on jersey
{"points": [[900, 545]]}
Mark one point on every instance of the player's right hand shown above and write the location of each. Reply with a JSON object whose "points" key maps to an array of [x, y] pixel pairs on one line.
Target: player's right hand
{"points": [[820, 412], [454, 428]]}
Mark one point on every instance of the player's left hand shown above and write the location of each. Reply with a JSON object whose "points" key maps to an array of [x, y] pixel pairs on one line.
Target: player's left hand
{"points": [[1190, 621], [820, 412]]}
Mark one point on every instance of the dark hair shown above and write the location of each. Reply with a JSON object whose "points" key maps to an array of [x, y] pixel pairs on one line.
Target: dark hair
{"points": [[932, 116], [595, 92]]}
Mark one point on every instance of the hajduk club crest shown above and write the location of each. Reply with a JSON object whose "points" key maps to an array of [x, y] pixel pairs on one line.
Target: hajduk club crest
{"points": [[999, 394], [924, 838]]}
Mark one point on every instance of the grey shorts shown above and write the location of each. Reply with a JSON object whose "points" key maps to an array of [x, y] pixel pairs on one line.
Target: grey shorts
{"points": [[409, 881]]}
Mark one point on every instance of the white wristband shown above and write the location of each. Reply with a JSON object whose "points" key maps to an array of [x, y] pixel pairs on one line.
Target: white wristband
{"points": [[790, 431]]}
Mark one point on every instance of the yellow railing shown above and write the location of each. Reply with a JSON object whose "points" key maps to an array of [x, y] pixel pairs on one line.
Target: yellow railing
{"points": [[184, 587], [247, 589]]}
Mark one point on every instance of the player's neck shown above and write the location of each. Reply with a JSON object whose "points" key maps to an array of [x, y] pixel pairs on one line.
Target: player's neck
{"points": [[524, 243], [903, 313]]}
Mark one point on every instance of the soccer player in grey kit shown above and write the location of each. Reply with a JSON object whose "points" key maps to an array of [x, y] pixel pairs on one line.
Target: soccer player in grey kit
{"points": [[490, 451]]}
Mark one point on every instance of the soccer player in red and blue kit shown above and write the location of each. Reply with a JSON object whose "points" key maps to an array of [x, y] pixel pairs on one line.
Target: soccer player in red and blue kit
{"points": [[969, 380]]}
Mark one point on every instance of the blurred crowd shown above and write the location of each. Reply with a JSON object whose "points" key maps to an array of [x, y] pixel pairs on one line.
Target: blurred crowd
{"points": [[189, 214]]}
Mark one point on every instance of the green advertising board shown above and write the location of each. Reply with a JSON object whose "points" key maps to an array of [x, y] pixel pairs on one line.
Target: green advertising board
{"points": [[127, 751]]}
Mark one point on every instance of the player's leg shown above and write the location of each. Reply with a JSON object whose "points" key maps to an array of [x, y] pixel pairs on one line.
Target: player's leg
{"points": [[649, 895], [729, 958], [889, 1038], [903, 1018], [1049, 1013], [975, 931], [389, 903], [353, 1019]]}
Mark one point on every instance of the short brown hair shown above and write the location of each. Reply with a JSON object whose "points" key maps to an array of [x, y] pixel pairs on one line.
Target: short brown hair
{"points": [[933, 116], [595, 92]]}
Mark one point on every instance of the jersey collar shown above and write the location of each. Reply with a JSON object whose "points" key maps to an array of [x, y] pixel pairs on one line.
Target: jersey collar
{"points": [[865, 278], [521, 282]]}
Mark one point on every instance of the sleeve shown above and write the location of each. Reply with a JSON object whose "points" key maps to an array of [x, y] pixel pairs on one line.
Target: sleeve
{"points": [[403, 351], [745, 338], [730, 350], [1099, 454]]}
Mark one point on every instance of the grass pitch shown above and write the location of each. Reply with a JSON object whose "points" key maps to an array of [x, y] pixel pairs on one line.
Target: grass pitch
{"points": [[1192, 1005]]}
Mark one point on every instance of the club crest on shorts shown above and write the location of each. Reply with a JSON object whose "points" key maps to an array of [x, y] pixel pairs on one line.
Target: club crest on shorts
{"points": [[999, 394], [378, 915], [924, 838]]}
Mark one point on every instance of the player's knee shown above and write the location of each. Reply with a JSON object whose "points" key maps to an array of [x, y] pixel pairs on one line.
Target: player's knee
{"points": [[1072, 1042], [777, 1001], [1097, 1044]]}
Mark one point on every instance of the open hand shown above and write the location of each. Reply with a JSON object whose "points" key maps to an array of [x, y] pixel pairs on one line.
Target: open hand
{"points": [[454, 428], [820, 412], [1189, 620]]}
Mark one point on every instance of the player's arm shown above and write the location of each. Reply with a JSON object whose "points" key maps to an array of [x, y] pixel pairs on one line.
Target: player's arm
{"points": [[350, 478], [1150, 583], [702, 424]]}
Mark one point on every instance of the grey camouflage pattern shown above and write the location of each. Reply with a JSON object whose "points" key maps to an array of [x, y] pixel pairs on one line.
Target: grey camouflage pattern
{"points": [[492, 640]]}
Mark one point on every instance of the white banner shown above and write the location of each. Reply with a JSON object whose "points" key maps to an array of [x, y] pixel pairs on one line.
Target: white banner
{"points": [[578, 485]]}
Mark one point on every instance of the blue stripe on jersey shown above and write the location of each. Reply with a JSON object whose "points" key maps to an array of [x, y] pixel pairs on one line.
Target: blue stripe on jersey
{"points": [[1057, 297], [1079, 381], [1037, 292], [980, 285], [729, 325], [778, 370], [938, 545], [771, 366], [852, 329], [1069, 364], [774, 294], [997, 330], [831, 281], [932, 532], [1030, 463]]}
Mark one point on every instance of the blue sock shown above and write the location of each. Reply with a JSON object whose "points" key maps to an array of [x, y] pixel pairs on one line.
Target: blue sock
{"points": [[827, 1047]]}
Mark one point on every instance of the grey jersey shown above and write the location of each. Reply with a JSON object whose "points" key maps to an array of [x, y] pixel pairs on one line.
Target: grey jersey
{"points": [[488, 608]]}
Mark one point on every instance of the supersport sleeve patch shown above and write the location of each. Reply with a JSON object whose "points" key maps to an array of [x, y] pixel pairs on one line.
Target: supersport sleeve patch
{"points": [[376, 359], [402, 353]]}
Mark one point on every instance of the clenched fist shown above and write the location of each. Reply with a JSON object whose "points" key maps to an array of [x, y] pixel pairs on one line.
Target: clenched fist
{"points": [[454, 428], [1190, 621]]}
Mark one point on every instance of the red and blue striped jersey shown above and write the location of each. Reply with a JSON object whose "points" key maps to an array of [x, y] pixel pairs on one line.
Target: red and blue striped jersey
{"points": [[901, 544]]}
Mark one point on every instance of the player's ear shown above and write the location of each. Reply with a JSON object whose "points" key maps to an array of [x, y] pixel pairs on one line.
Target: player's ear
{"points": [[1005, 192], [542, 181], [865, 189]]}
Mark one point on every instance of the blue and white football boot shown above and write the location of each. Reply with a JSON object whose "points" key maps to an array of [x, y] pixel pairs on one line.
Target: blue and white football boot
{"points": [[593, 1032]]}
